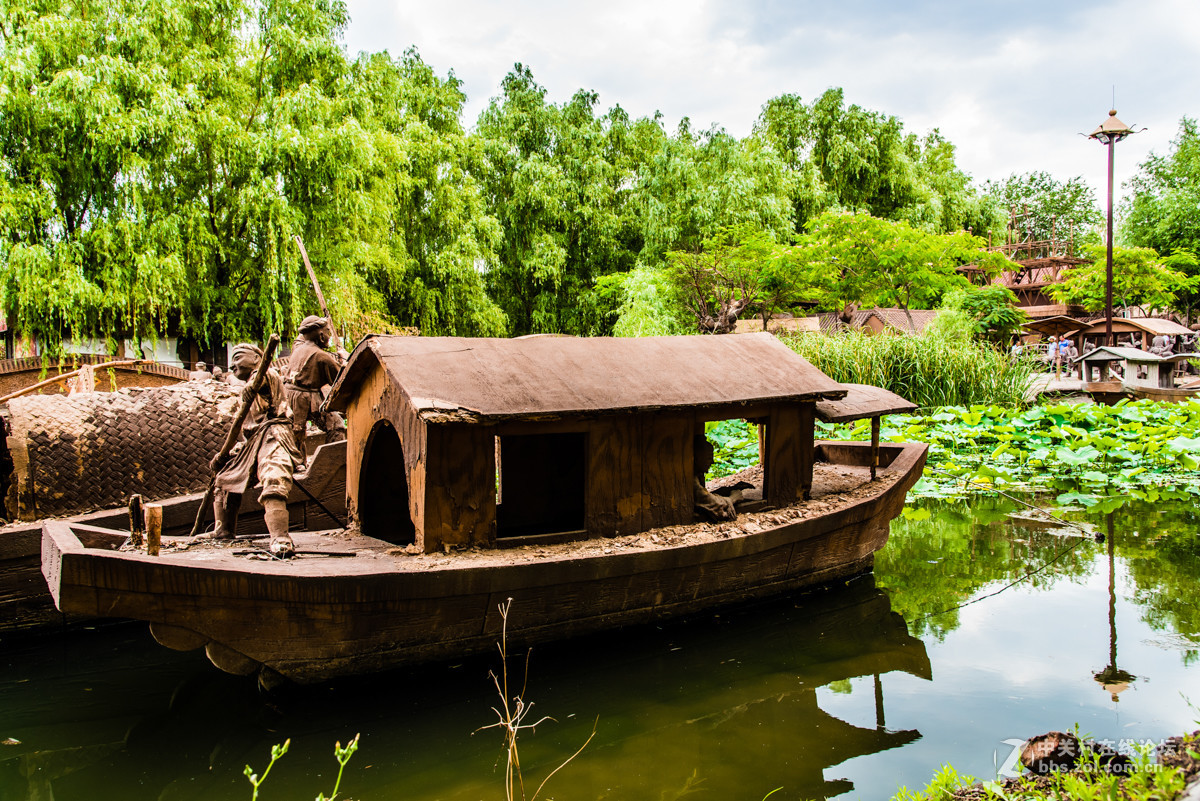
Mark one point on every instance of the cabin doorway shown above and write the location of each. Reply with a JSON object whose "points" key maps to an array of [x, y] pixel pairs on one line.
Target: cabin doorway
{"points": [[542, 484], [383, 488]]}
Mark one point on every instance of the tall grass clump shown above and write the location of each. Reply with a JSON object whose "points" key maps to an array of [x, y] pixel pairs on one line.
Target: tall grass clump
{"points": [[929, 371]]}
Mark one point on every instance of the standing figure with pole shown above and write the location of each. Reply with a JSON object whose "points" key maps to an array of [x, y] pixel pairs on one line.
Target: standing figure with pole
{"points": [[312, 368], [266, 455]]}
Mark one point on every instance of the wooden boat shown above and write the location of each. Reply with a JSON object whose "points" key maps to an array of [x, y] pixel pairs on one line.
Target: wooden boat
{"points": [[443, 532], [323, 616]]}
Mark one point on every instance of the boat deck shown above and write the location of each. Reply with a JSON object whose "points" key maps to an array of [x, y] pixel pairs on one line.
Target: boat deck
{"points": [[352, 604], [348, 553]]}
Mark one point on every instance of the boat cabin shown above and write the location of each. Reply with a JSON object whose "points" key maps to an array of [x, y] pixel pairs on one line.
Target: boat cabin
{"points": [[458, 442]]}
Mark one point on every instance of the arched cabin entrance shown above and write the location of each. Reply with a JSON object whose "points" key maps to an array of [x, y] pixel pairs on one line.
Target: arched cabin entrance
{"points": [[383, 488]]}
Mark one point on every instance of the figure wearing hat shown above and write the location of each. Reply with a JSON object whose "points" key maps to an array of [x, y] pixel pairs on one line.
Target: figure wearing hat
{"points": [[311, 368], [266, 456]]}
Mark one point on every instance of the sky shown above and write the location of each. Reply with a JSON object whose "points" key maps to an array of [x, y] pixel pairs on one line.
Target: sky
{"points": [[1012, 84]]}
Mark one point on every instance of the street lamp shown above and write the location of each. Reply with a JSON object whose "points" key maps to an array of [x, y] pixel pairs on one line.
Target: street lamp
{"points": [[1109, 133]]}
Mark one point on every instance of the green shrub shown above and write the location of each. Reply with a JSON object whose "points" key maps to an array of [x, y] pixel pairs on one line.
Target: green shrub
{"points": [[929, 371]]}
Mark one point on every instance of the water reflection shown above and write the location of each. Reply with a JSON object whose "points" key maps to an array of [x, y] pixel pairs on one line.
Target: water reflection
{"points": [[727, 702], [1112, 679], [823, 694]]}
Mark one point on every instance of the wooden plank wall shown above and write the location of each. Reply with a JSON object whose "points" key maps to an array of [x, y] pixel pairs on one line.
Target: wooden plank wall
{"points": [[614, 495], [789, 453], [639, 472], [667, 470], [460, 487]]}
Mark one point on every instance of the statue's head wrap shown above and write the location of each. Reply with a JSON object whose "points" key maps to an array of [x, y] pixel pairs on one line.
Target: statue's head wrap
{"points": [[246, 354], [312, 323]]}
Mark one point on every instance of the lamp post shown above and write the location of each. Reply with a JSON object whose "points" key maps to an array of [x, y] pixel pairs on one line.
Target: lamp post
{"points": [[1109, 132]]}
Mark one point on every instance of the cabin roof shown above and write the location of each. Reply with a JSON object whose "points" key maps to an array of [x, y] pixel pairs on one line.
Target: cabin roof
{"points": [[1106, 353], [1151, 325], [862, 400], [1054, 326], [513, 378]]}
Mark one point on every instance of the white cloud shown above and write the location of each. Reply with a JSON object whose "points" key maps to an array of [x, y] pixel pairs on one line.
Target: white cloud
{"points": [[1010, 84]]}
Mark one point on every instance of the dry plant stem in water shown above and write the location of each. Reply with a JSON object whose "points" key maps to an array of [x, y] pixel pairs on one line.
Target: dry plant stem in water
{"points": [[511, 719]]}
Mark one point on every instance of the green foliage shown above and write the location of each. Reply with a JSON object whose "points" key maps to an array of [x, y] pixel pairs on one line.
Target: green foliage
{"points": [[992, 311], [1161, 212], [1044, 206], [256, 781], [943, 786], [735, 446], [558, 180], [1140, 278], [1146, 781], [158, 158], [732, 272], [694, 185], [340, 753], [649, 305], [850, 158], [1102, 450], [864, 259], [951, 325], [929, 371]]}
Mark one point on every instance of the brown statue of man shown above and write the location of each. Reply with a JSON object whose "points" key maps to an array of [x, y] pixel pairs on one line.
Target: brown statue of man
{"points": [[266, 456], [311, 368], [708, 504]]}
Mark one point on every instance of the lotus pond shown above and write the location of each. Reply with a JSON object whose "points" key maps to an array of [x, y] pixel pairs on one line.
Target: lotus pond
{"points": [[985, 623]]}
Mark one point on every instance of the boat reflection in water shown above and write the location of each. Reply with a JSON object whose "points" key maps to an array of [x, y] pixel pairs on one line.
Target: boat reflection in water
{"points": [[725, 703]]}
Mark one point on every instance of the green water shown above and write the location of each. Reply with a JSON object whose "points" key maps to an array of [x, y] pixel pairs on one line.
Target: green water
{"points": [[848, 692]]}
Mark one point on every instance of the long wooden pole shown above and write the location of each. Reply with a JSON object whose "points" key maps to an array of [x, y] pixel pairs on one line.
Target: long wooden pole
{"points": [[312, 276], [65, 376], [235, 430]]}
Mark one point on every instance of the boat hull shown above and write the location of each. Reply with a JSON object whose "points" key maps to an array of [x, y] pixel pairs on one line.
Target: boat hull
{"points": [[313, 619]]}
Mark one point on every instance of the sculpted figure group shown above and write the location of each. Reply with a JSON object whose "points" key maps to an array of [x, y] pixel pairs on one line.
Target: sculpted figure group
{"points": [[272, 447]]}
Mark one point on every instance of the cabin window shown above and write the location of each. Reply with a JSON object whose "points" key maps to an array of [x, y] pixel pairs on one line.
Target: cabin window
{"points": [[737, 446], [383, 488], [541, 482]]}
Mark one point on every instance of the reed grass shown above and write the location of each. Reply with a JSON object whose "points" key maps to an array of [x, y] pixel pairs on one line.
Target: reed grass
{"points": [[929, 371]]}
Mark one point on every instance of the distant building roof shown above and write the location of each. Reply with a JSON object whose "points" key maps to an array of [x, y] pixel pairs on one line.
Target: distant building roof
{"points": [[751, 325], [887, 317], [511, 378], [1150, 325]]}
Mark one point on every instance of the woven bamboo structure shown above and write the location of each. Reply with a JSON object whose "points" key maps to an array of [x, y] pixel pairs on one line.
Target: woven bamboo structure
{"points": [[91, 451]]}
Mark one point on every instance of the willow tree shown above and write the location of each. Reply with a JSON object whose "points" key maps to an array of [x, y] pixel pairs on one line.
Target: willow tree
{"points": [[92, 116], [557, 178], [848, 158], [697, 184], [407, 237], [159, 156], [856, 258]]}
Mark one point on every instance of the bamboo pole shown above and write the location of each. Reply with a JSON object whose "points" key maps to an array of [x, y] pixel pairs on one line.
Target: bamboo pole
{"points": [[154, 519], [874, 446], [65, 376], [137, 521]]}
